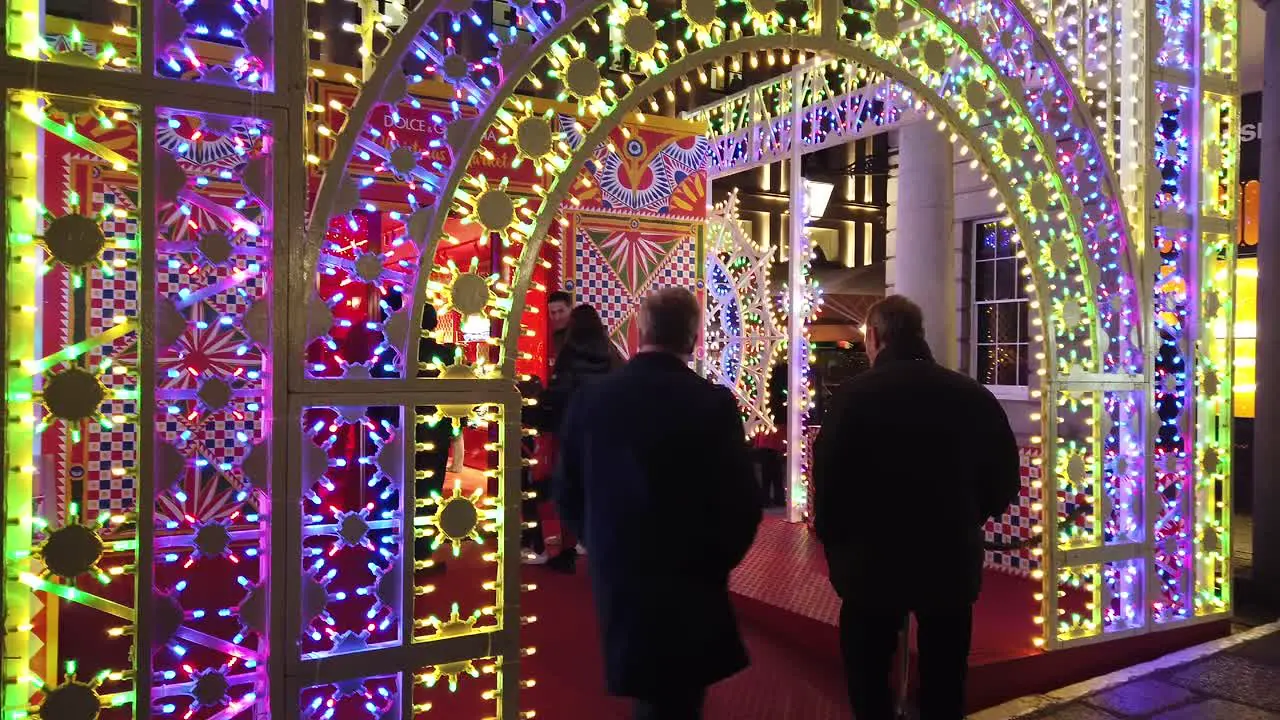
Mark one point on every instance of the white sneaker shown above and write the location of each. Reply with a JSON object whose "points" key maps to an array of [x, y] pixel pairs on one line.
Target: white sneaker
{"points": [[582, 550], [528, 557]]}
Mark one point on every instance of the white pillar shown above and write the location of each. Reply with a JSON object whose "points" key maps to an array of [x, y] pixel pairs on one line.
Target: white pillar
{"points": [[797, 343], [921, 253], [1266, 463]]}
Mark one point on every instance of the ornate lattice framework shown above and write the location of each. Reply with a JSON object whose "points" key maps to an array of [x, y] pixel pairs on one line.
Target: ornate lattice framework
{"points": [[144, 207], [744, 338]]}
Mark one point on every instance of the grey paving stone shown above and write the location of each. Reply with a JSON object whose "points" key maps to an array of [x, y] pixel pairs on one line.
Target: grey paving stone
{"points": [[1141, 697], [1075, 711], [1234, 678], [1217, 710], [1265, 650]]}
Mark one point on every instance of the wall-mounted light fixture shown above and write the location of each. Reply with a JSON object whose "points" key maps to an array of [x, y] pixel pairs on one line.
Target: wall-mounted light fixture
{"points": [[819, 194]]}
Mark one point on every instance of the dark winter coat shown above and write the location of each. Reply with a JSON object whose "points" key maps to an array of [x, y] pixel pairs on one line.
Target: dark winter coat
{"points": [[654, 475], [911, 460], [576, 366]]}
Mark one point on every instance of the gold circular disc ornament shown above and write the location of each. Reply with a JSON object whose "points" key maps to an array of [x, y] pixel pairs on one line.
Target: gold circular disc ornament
{"points": [[886, 23], [353, 529], [975, 93], [935, 56], [455, 67], [74, 240], [71, 551], [403, 160], [210, 689], [72, 701], [212, 540], [582, 77], [458, 518], [1075, 469], [215, 246], [74, 395], [699, 12], [533, 135], [469, 294], [1011, 142], [639, 34], [215, 394], [369, 267], [1039, 196], [496, 209]]}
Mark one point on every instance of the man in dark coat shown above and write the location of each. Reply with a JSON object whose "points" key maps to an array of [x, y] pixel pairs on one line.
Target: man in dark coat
{"points": [[911, 460], [653, 450]]}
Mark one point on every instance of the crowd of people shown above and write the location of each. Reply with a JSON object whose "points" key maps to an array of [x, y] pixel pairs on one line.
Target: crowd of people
{"points": [[623, 433]]}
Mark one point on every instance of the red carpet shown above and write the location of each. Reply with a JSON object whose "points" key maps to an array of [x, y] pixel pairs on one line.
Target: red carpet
{"points": [[788, 614], [782, 682]]}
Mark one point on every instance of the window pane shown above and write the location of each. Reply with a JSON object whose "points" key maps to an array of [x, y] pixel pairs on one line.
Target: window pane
{"points": [[1024, 322], [984, 281], [1006, 364], [1024, 364], [1007, 323], [1023, 279], [1006, 279], [986, 364], [986, 330], [986, 245], [1006, 245]]}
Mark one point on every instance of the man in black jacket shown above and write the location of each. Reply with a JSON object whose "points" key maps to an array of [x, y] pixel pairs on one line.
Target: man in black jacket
{"points": [[911, 460], [653, 450]]}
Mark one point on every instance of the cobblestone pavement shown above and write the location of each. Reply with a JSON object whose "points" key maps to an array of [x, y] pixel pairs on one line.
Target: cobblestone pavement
{"points": [[1241, 682]]}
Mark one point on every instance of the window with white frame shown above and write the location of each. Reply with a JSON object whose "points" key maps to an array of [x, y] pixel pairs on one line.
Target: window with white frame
{"points": [[1001, 308]]}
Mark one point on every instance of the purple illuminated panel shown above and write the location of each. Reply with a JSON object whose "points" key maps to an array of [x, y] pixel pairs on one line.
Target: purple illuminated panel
{"points": [[221, 42], [212, 417], [352, 552], [369, 698]]}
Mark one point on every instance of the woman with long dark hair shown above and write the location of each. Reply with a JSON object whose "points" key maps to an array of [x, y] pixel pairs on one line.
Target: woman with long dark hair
{"points": [[588, 354]]}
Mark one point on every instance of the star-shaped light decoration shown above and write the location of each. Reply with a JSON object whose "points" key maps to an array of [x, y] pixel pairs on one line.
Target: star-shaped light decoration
{"points": [[495, 210], [534, 136], [460, 517], [581, 78]]}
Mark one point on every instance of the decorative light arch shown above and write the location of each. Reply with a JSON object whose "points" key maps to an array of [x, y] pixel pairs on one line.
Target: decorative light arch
{"points": [[990, 76]]}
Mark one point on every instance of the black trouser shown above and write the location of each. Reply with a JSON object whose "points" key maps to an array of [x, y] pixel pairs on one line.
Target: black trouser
{"points": [[675, 705], [869, 639], [773, 476]]}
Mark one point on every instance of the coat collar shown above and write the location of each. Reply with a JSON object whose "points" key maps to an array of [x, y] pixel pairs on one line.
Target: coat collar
{"points": [[658, 360], [904, 352]]}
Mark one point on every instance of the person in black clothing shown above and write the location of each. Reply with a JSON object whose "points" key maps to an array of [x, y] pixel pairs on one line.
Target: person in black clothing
{"points": [[559, 305], [587, 355], [911, 460], [532, 541], [652, 448]]}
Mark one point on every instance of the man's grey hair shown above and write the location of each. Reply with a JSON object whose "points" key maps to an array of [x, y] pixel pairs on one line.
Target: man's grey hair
{"points": [[896, 320], [670, 319]]}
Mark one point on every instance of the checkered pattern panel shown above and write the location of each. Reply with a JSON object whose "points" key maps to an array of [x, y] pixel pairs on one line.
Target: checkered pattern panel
{"points": [[1016, 523], [595, 283], [112, 467], [114, 296], [679, 268]]}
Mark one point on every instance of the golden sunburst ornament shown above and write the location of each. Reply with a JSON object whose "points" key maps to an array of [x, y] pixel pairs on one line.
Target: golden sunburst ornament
{"points": [[76, 700], [580, 77], [639, 35], [459, 517], [534, 136], [495, 210]]}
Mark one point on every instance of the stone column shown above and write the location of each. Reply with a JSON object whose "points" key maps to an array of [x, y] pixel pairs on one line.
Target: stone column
{"points": [[1266, 463], [920, 258]]}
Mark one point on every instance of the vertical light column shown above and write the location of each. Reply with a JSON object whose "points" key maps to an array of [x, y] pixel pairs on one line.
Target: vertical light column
{"points": [[802, 303], [1266, 488], [921, 259]]}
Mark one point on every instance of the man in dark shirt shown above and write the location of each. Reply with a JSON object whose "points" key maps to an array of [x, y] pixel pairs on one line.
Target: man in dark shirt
{"points": [[649, 448], [559, 305], [911, 460]]}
